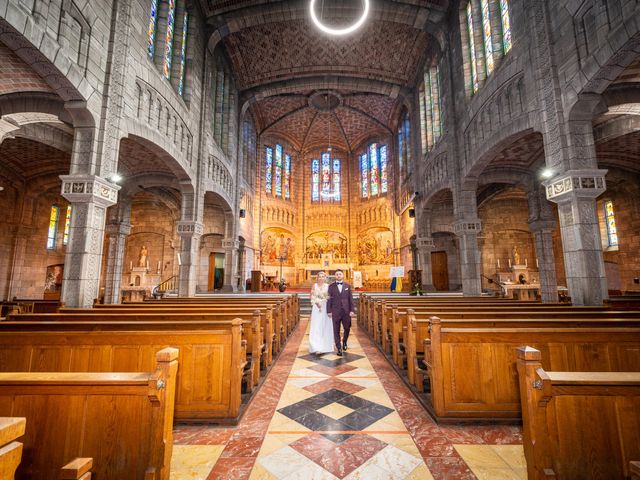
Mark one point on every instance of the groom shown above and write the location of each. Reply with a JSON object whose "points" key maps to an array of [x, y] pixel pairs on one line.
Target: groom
{"points": [[340, 309]]}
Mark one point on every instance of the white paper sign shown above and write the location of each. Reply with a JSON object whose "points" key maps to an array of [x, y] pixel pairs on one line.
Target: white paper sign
{"points": [[397, 271]]}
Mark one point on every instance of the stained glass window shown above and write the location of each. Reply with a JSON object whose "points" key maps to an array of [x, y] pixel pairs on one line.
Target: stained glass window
{"points": [[383, 169], [315, 180], [506, 26], [278, 173], [269, 168], [151, 31], [612, 231], [407, 142], [436, 124], [373, 168], [488, 41], [364, 175], [287, 176], [53, 227], [472, 48], [168, 51], [423, 119], [67, 226], [401, 148], [336, 180], [183, 51], [326, 175]]}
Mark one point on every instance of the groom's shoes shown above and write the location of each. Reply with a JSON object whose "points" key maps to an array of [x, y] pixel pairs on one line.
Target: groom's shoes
{"points": [[344, 346], [339, 353]]}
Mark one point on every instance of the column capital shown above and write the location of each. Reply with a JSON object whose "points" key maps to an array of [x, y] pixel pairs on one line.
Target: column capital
{"points": [[119, 229], [230, 243], [425, 243], [190, 228], [467, 226], [575, 183], [89, 189]]}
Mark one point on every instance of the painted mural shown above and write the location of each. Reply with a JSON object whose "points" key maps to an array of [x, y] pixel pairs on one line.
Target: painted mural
{"points": [[276, 243], [375, 247], [321, 243]]}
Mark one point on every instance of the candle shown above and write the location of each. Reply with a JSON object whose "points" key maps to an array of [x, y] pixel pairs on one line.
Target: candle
{"points": [[498, 263], [509, 263], [147, 264], [130, 265], [525, 263], [158, 266], [537, 266]]}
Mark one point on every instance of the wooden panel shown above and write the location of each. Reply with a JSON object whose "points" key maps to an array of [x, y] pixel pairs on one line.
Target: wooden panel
{"points": [[463, 361]]}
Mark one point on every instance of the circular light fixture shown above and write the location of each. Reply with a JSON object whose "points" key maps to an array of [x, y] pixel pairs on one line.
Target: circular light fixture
{"points": [[546, 173], [115, 178], [338, 31]]}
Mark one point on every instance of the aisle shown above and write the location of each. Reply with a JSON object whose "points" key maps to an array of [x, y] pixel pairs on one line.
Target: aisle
{"points": [[342, 418]]}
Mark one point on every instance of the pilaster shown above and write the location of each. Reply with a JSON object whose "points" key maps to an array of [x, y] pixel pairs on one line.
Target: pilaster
{"points": [[190, 233], [467, 231]]}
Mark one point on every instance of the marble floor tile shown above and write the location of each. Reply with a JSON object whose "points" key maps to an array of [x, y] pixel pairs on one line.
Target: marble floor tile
{"points": [[193, 462]]}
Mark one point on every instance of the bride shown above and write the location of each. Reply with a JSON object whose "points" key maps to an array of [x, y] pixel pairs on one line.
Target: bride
{"points": [[321, 331]]}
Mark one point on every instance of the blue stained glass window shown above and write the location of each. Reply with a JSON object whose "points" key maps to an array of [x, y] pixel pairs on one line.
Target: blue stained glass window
{"points": [[472, 48], [287, 176], [183, 52], [151, 31], [488, 41], [326, 175], [269, 168], [315, 180], [374, 168], [383, 169], [336, 179], [506, 25], [278, 174], [53, 227], [168, 51], [364, 175]]}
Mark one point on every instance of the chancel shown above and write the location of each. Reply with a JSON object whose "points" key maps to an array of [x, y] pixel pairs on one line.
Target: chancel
{"points": [[328, 239]]}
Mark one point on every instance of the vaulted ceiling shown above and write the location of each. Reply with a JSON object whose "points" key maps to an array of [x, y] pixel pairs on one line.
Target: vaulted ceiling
{"points": [[280, 59]]}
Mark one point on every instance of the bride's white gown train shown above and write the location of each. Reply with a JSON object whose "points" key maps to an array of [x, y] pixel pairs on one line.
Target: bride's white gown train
{"points": [[321, 330]]}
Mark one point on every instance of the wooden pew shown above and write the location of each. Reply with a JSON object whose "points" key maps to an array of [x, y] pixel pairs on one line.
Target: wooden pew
{"points": [[213, 356], [472, 371], [78, 469], [27, 305], [271, 321], [11, 428], [257, 326], [578, 424], [251, 331], [634, 470], [123, 421]]}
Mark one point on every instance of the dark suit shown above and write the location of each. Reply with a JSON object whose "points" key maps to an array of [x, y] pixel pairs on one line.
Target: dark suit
{"points": [[340, 305]]}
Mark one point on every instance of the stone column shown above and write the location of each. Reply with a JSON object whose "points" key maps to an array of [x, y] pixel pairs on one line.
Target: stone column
{"points": [[231, 247], [22, 236], [575, 192], [543, 235], [190, 233], [467, 231], [89, 196], [118, 233], [424, 247]]}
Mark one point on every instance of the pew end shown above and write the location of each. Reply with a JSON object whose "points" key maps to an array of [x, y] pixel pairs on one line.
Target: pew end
{"points": [[572, 424], [634, 470], [11, 428], [77, 469]]}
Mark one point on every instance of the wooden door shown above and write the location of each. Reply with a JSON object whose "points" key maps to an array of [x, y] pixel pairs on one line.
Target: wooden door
{"points": [[212, 270], [439, 271]]}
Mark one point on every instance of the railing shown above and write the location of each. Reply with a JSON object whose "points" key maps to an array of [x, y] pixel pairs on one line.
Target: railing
{"points": [[166, 285]]}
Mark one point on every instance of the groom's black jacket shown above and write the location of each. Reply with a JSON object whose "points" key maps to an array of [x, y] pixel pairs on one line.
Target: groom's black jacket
{"points": [[340, 303]]}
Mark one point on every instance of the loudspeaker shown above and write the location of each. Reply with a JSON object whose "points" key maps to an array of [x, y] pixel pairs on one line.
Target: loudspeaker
{"points": [[412, 213], [243, 213]]}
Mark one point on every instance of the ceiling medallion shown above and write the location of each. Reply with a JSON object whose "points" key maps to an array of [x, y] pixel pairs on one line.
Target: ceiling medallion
{"points": [[339, 31], [325, 101]]}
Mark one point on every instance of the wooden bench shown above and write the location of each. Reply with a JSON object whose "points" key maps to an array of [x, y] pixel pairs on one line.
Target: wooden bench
{"points": [[27, 305], [257, 329], [418, 328], [78, 469], [11, 428], [270, 320], [634, 470], [472, 371], [123, 421], [578, 424], [210, 377]]}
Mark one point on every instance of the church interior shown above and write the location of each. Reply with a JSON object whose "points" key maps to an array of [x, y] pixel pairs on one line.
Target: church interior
{"points": [[472, 167]]}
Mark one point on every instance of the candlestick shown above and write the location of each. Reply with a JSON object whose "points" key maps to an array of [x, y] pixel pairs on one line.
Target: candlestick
{"points": [[537, 266], [525, 263], [509, 263], [498, 263], [130, 265]]}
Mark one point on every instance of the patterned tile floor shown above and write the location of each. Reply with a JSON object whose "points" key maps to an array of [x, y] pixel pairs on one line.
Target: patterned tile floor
{"points": [[347, 417]]}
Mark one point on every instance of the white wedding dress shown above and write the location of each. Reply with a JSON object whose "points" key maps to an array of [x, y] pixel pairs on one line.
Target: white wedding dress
{"points": [[321, 330]]}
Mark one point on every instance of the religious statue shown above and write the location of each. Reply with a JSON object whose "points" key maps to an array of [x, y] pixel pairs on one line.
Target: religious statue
{"points": [[142, 257], [516, 256]]}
